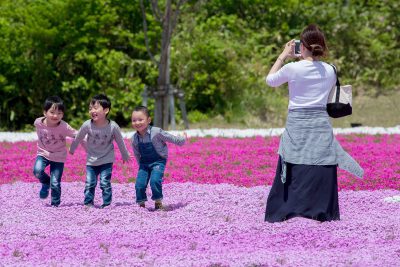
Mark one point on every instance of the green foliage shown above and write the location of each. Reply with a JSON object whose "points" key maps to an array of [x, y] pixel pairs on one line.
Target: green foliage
{"points": [[206, 66], [232, 44], [220, 54], [196, 116], [74, 49]]}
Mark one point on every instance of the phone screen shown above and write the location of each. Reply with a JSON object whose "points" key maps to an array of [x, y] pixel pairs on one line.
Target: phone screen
{"points": [[297, 47]]}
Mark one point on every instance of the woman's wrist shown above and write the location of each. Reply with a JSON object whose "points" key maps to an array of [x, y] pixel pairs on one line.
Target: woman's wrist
{"points": [[282, 58]]}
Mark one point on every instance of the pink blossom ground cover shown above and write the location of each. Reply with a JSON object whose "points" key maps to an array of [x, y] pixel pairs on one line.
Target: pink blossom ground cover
{"points": [[245, 162], [215, 193], [204, 225]]}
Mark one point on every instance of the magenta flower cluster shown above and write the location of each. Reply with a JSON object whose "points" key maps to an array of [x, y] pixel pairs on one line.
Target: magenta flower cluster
{"points": [[203, 225], [245, 162]]}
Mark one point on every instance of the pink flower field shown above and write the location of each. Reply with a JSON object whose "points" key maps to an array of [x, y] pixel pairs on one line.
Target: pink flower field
{"points": [[215, 194], [243, 162]]}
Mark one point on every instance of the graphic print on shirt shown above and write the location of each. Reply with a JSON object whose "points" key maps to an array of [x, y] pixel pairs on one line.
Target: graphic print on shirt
{"points": [[103, 142], [97, 138], [53, 139], [45, 139]]}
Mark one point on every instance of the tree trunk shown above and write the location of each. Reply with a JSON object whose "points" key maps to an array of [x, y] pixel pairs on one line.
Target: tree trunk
{"points": [[161, 94], [162, 102]]}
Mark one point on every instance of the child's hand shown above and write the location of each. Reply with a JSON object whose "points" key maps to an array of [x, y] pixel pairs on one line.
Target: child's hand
{"points": [[185, 135]]}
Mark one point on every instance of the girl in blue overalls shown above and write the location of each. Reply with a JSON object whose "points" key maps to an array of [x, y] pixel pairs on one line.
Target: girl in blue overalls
{"points": [[151, 152]]}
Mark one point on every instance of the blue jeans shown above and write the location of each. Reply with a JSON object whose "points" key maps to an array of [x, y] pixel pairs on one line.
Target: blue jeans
{"points": [[154, 173], [54, 180], [92, 172]]}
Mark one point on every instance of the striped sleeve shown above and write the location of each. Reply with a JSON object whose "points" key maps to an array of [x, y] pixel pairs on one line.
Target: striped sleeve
{"points": [[167, 137]]}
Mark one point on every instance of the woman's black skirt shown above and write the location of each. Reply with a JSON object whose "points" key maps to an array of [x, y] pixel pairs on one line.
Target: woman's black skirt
{"points": [[310, 191]]}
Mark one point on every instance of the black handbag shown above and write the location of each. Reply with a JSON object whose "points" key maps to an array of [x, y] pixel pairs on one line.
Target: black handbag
{"points": [[339, 100]]}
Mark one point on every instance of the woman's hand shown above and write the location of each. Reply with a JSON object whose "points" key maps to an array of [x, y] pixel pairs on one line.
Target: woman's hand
{"points": [[288, 52]]}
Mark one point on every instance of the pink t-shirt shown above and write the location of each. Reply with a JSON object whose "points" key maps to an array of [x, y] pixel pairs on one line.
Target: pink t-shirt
{"points": [[52, 140]]}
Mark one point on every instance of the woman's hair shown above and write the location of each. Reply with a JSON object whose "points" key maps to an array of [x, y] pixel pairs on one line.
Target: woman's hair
{"points": [[143, 109], [314, 40], [53, 102]]}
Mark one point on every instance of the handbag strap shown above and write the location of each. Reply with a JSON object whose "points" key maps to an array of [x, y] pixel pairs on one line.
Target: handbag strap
{"points": [[337, 84]]}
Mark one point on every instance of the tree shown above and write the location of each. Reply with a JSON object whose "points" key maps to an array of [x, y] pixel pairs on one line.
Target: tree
{"points": [[167, 21]]}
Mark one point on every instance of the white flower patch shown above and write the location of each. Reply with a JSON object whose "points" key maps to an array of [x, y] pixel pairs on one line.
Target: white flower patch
{"points": [[392, 199], [215, 132]]}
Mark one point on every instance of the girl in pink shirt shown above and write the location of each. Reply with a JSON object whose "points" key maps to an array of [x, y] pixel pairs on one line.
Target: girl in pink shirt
{"points": [[51, 148]]}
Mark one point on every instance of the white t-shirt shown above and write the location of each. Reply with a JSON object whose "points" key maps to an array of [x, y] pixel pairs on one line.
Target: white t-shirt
{"points": [[309, 82]]}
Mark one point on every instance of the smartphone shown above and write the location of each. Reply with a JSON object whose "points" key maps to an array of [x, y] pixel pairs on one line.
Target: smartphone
{"points": [[297, 52]]}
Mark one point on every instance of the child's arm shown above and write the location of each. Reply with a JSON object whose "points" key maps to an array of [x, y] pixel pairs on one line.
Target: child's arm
{"points": [[120, 142], [79, 138], [70, 132], [135, 149], [36, 123], [167, 137]]}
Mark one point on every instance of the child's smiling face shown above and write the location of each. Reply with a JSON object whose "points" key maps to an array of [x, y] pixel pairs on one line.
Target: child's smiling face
{"points": [[140, 121], [97, 113], [53, 116]]}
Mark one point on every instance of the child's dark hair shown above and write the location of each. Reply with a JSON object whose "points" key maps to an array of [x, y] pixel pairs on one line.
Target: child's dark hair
{"points": [[102, 99], [53, 101], [143, 109]]}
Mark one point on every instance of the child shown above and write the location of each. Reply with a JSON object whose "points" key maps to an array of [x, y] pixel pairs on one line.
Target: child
{"points": [[100, 132], [51, 150], [151, 152]]}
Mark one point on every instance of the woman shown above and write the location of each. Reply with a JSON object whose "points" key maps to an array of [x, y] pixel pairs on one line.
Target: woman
{"points": [[306, 177]]}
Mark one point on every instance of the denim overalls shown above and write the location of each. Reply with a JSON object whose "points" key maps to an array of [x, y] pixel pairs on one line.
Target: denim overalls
{"points": [[151, 168]]}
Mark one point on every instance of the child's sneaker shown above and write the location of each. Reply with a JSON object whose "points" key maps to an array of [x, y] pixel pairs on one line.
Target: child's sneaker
{"points": [[142, 205], [158, 205], [104, 206], [44, 192]]}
